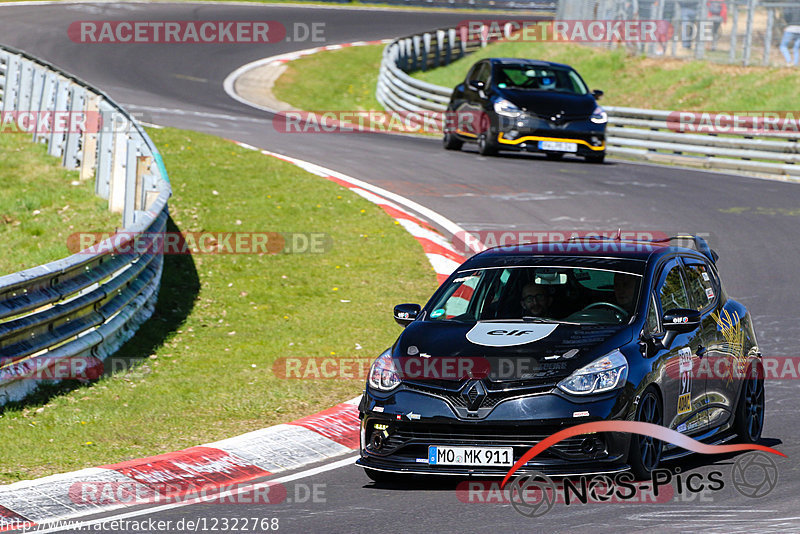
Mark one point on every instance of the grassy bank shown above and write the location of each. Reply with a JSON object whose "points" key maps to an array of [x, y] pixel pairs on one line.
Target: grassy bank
{"points": [[204, 359], [348, 83], [41, 204], [626, 80]]}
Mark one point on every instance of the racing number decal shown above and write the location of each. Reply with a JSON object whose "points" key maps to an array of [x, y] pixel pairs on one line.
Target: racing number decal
{"points": [[685, 395]]}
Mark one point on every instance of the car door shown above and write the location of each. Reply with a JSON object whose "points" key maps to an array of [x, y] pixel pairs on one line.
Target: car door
{"points": [[472, 115], [683, 395], [717, 369]]}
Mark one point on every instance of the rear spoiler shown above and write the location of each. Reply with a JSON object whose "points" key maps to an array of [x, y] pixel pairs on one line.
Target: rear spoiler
{"points": [[693, 242]]}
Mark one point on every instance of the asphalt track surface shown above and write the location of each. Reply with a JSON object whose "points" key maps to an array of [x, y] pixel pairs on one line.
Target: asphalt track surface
{"points": [[752, 223]]}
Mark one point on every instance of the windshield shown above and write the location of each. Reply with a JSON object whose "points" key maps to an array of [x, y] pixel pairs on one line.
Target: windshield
{"points": [[539, 78], [548, 294]]}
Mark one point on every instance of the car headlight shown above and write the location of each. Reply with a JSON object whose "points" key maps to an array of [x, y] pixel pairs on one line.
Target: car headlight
{"points": [[599, 116], [604, 374], [383, 374], [506, 108]]}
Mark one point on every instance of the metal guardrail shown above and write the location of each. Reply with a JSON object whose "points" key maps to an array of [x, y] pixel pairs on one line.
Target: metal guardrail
{"points": [[85, 306], [398, 91], [639, 133]]}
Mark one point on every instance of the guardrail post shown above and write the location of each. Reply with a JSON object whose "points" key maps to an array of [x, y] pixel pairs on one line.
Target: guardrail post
{"points": [[451, 39], [426, 47], [462, 43], [10, 84], [37, 95], [46, 103], [399, 49], [105, 153], [72, 148], [89, 141], [417, 51], [484, 35], [116, 194], [55, 146], [25, 86], [131, 175], [3, 70], [439, 48]]}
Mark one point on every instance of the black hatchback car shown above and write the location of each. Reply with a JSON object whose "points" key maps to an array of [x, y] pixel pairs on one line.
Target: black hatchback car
{"points": [[522, 104], [521, 342]]}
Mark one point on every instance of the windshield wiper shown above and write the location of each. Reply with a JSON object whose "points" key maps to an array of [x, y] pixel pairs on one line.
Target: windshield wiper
{"points": [[535, 319]]}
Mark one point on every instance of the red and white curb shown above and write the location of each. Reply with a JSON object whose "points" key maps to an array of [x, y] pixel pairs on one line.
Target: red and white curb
{"points": [[330, 433]]}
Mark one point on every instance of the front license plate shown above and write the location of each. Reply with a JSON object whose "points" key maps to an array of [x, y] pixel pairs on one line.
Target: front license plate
{"points": [[558, 146], [479, 456]]}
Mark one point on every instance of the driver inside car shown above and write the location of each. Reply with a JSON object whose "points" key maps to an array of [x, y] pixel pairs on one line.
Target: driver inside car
{"points": [[536, 300], [625, 291]]}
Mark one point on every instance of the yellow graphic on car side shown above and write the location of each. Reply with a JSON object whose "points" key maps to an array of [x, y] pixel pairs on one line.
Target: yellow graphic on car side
{"points": [[731, 327]]}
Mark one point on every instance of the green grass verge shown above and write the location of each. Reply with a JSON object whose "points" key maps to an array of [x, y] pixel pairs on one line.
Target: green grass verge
{"points": [[627, 80], [41, 204], [343, 79], [204, 359]]}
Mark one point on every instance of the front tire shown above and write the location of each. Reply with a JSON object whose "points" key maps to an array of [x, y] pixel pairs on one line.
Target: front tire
{"points": [[644, 454], [451, 142], [750, 411], [485, 145]]}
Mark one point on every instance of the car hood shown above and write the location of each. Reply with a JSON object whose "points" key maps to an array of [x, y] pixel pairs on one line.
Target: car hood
{"points": [[549, 103], [509, 351]]}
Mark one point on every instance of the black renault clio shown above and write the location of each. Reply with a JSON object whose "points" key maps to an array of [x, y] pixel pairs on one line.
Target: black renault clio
{"points": [[522, 104], [521, 342]]}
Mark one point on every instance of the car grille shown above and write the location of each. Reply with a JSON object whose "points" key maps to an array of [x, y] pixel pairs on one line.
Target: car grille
{"points": [[492, 399], [414, 438]]}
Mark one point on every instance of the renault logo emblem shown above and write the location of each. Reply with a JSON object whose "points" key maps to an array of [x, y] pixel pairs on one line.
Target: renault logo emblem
{"points": [[473, 394]]}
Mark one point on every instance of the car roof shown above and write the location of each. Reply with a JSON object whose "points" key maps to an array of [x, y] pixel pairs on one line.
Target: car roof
{"points": [[525, 61]]}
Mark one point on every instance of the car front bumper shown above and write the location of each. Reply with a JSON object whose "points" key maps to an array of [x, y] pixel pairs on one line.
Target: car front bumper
{"points": [[528, 134], [411, 421]]}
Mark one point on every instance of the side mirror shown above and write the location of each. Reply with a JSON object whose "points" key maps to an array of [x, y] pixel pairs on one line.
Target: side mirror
{"points": [[477, 85], [597, 93], [678, 320], [404, 314]]}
